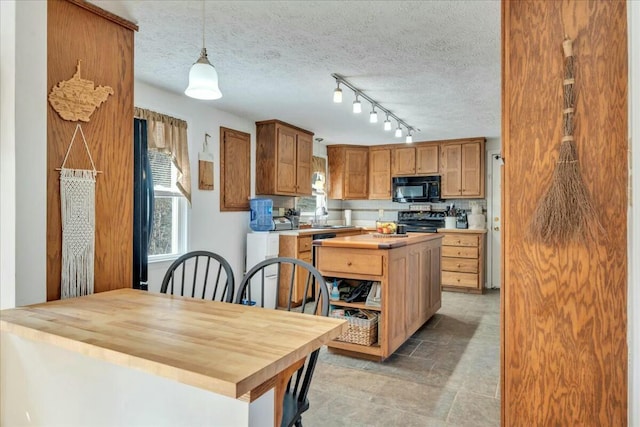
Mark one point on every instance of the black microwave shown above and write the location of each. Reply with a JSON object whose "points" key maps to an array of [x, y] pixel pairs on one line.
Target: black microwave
{"points": [[416, 189]]}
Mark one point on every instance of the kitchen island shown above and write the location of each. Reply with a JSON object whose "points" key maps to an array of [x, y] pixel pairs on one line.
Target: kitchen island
{"points": [[129, 357], [407, 269]]}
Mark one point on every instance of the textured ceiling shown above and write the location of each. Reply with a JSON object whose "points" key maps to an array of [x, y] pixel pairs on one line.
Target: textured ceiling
{"points": [[435, 64]]}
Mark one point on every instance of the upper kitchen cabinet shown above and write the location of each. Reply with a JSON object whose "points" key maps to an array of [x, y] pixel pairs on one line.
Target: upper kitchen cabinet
{"points": [[348, 172], [379, 173], [415, 160], [283, 159], [462, 169]]}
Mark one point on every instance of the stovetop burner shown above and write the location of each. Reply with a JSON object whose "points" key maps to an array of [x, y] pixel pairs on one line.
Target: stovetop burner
{"points": [[421, 221]]}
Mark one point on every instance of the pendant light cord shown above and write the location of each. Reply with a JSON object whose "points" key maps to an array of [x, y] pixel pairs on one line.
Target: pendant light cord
{"points": [[203, 45]]}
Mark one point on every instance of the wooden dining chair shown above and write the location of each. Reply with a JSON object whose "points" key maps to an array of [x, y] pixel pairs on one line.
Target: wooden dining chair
{"points": [[200, 274], [284, 272]]}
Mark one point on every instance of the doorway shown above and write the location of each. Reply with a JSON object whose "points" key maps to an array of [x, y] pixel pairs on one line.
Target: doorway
{"points": [[494, 219]]}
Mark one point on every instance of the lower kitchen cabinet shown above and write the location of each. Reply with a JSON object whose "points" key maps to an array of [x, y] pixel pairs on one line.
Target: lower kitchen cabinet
{"points": [[463, 259], [409, 276], [297, 244]]}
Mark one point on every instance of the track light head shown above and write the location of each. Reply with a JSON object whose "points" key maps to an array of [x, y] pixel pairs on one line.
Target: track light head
{"points": [[357, 105], [409, 138], [398, 133], [337, 94], [373, 115], [387, 123]]}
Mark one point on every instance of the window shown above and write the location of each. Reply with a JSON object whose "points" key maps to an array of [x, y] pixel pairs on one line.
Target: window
{"points": [[168, 236], [314, 207]]}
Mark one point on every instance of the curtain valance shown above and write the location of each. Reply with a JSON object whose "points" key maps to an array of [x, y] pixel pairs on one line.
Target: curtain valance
{"points": [[169, 135]]}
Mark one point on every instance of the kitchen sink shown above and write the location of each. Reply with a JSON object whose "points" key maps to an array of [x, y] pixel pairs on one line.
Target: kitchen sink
{"points": [[332, 227]]}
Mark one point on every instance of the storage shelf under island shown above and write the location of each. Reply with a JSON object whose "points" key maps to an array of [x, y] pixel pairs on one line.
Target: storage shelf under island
{"points": [[408, 269]]}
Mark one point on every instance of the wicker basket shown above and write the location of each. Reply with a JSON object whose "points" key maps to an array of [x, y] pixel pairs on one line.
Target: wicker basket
{"points": [[360, 331]]}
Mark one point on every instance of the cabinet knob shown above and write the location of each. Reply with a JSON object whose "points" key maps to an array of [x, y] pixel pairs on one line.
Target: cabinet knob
{"points": [[459, 265], [496, 228], [459, 253], [349, 263]]}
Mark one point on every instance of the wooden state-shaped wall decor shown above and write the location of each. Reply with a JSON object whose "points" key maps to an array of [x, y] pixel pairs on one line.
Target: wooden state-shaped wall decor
{"points": [[77, 98]]}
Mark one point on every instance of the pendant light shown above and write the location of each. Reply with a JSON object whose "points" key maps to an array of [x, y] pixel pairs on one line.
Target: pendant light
{"points": [[203, 77]]}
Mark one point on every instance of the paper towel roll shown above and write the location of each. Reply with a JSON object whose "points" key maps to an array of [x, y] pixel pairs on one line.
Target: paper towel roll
{"points": [[347, 217], [476, 221], [476, 209]]}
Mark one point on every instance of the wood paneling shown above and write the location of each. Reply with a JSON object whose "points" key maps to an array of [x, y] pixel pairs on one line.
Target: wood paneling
{"points": [[106, 51], [564, 308], [235, 170]]}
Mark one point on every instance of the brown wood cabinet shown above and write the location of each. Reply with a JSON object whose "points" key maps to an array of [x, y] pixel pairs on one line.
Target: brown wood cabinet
{"points": [[403, 161], [415, 160], [463, 258], [462, 169], [297, 244], [283, 159], [409, 277], [235, 170], [379, 173], [348, 172], [427, 160]]}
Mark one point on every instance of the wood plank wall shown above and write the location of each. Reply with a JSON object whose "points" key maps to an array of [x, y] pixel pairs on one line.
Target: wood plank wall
{"points": [[564, 308], [105, 47]]}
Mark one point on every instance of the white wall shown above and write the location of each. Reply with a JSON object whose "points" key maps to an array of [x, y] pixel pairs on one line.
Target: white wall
{"points": [[633, 301], [7, 154], [24, 125], [209, 229]]}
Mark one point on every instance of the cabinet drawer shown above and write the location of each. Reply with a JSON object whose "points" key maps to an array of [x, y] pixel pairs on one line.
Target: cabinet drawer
{"points": [[460, 240], [345, 261], [466, 280], [304, 244], [465, 265], [459, 252]]}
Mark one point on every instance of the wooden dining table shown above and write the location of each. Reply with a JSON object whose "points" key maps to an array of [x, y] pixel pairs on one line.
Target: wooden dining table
{"points": [[93, 354]]}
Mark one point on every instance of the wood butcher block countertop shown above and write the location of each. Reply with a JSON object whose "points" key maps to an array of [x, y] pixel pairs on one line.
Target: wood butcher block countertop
{"points": [[225, 348], [370, 241], [463, 230]]}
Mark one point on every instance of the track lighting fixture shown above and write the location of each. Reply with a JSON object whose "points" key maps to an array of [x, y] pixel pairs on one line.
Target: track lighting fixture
{"points": [[337, 94], [373, 116], [357, 105], [387, 123]]}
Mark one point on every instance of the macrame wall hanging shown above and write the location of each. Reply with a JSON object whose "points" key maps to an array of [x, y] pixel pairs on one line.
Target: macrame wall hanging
{"points": [[76, 99], [78, 201], [565, 213]]}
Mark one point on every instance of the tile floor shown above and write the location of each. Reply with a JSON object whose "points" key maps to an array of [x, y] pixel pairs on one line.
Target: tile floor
{"points": [[446, 374]]}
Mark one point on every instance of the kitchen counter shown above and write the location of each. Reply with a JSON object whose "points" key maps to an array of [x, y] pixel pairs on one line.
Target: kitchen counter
{"points": [[407, 272], [225, 349], [322, 230], [462, 230], [375, 241]]}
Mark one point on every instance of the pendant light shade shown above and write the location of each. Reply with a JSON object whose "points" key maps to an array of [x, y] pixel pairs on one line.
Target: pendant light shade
{"points": [[373, 116], [398, 133], [203, 79], [337, 94], [357, 106], [387, 123], [409, 138]]}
